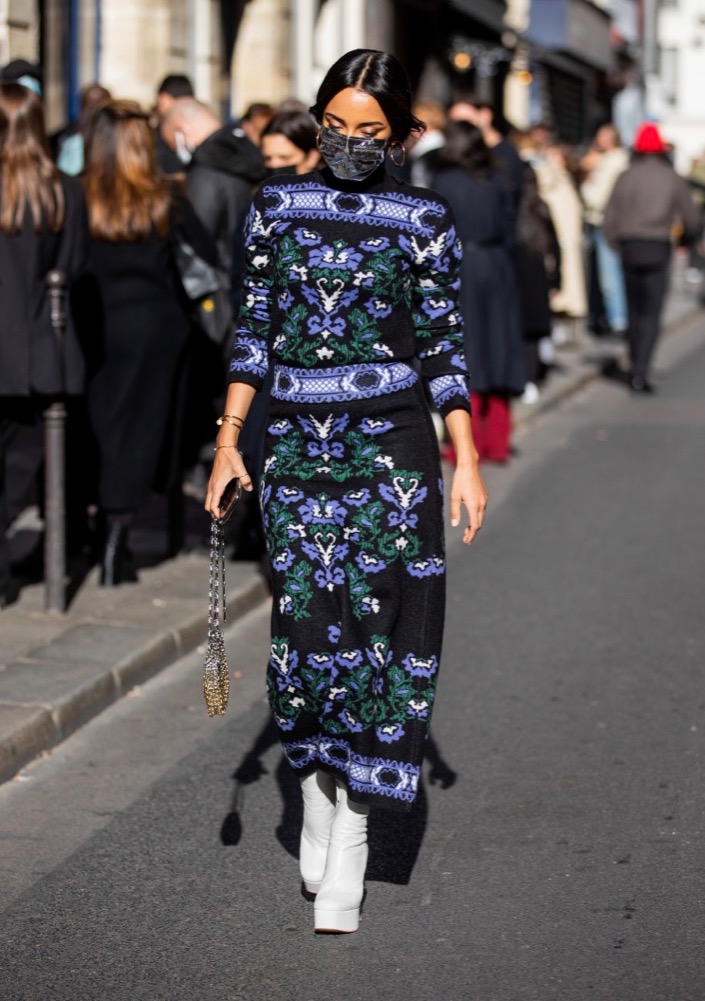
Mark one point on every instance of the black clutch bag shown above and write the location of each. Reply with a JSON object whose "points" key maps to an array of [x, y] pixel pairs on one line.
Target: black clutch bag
{"points": [[216, 681], [228, 502]]}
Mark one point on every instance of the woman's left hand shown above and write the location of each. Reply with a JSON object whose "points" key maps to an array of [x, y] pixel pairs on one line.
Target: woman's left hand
{"points": [[468, 490]]}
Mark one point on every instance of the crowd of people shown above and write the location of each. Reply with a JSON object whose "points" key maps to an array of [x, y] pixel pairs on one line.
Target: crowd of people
{"points": [[143, 212], [361, 303]]}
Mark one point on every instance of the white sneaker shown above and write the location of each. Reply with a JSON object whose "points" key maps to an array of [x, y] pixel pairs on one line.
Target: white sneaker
{"points": [[531, 393]]}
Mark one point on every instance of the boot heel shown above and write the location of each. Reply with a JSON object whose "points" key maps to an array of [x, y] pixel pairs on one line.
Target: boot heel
{"points": [[337, 905], [337, 922]]}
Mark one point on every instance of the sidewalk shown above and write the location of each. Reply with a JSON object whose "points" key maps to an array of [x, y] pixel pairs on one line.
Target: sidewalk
{"points": [[57, 672]]}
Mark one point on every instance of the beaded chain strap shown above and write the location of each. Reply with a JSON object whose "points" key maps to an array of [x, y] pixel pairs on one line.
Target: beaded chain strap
{"points": [[216, 682]]}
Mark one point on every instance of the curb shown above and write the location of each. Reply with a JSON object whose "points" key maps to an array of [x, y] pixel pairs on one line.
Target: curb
{"points": [[29, 727]]}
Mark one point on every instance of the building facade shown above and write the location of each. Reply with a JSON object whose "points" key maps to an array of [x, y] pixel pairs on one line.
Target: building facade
{"points": [[532, 59], [674, 56]]}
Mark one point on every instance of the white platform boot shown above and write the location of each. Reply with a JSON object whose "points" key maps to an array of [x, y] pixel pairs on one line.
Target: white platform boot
{"points": [[337, 906], [319, 793]]}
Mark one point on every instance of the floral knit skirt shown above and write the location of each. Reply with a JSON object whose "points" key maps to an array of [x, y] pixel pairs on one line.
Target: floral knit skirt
{"points": [[353, 513]]}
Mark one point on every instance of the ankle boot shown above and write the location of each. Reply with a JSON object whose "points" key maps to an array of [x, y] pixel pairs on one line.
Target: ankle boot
{"points": [[319, 793], [117, 566], [337, 906]]}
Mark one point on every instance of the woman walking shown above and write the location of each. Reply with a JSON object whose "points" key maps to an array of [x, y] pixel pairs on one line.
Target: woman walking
{"points": [[136, 322], [42, 228], [352, 276], [484, 206], [647, 200]]}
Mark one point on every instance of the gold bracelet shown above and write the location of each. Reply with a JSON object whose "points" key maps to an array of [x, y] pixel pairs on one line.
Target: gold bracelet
{"points": [[231, 419], [216, 447]]}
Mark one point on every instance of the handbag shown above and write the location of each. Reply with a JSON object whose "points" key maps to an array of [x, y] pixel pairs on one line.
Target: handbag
{"points": [[216, 680], [206, 286]]}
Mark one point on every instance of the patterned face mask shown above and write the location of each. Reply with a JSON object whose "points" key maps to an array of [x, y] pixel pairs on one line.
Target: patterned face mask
{"points": [[351, 159]]}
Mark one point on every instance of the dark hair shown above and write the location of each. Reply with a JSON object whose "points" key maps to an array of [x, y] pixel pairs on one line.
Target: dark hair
{"points": [[296, 126], [259, 109], [176, 85], [465, 148], [380, 75], [468, 97], [535, 231]]}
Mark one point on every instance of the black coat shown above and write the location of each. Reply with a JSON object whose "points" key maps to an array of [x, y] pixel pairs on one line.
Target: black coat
{"points": [[135, 324], [538, 277], [489, 298], [29, 354]]}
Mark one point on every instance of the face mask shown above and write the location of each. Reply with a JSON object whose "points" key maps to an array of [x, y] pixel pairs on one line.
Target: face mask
{"points": [[277, 171], [182, 149], [351, 159]]}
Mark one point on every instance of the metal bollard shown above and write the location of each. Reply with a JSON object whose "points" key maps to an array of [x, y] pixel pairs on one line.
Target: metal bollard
{"points": [[54, 454]]}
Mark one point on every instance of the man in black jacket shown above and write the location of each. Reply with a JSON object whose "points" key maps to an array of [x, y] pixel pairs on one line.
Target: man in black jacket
{"points": [[222, 167]]}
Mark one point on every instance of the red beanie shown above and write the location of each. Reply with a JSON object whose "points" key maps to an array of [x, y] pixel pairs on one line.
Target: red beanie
{"points": [[648, 139]]}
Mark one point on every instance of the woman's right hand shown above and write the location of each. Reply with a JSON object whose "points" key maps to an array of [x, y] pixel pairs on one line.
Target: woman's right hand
{"points": [[226, 465]]}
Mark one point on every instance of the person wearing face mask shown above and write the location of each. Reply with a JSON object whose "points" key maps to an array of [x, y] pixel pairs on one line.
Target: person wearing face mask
{"points": [[289, 144], [222, 169], [173, 88], [350, 299]]}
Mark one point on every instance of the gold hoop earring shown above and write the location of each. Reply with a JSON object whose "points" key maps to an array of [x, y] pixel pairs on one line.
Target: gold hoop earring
{"points": [[395, 147]]}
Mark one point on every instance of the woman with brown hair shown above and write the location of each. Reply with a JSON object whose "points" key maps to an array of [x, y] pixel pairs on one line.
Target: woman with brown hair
{"points": [[137, 325], [42, 228]]}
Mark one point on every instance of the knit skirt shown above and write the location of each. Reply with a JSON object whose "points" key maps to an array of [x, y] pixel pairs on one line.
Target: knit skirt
{"points": [[352, 501]]}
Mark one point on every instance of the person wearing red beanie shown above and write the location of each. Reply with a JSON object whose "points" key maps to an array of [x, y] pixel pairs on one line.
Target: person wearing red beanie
{"points": [[646, 201], [648, 139]]}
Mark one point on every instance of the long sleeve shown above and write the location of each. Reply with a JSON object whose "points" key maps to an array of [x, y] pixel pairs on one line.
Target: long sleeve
{"points": [[250, 359], [688, 212], [436, 317]]}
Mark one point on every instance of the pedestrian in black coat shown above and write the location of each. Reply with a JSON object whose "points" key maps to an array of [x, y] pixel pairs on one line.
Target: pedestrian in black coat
{"points": [[42, 227], [136, 320], [539, 271], [483, 203], [222, 168]]}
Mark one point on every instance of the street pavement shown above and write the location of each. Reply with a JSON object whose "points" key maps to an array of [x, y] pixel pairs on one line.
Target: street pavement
{"points": [[57, 672], [556, 850]]}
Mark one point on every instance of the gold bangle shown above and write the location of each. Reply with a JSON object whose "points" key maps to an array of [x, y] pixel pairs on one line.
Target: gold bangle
{"points": [[216, 447], [236, 422]]}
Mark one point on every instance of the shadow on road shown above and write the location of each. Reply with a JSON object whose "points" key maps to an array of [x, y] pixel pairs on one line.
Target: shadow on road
{"points": [[395, 838]]}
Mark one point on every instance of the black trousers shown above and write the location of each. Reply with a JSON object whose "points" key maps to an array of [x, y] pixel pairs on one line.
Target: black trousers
{"points": [[21, 454], [646, 271]]}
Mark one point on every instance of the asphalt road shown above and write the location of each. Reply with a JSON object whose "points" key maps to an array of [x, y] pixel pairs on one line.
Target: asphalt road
{"points": [[557, 850]]}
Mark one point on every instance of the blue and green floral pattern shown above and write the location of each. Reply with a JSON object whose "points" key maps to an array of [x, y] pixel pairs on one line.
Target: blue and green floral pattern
{"points": [[350, 296]]}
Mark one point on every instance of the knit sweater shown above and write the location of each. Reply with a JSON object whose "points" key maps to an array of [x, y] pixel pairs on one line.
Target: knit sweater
{"points": [[341, 275]]}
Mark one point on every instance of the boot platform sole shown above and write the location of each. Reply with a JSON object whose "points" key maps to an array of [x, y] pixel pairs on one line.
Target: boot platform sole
{"points": [[337, 922]]}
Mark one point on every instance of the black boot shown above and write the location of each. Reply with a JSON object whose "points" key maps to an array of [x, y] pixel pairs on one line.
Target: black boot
{"points": [[117, 566]]}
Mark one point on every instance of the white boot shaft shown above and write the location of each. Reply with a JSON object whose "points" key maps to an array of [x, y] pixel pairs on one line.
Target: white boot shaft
{"points": [[337, 906], [319, 795]]}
